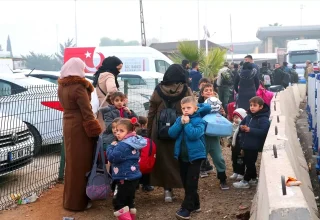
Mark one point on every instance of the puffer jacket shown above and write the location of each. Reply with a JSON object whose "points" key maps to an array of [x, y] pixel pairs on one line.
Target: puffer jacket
{"points": [[124, 157], [259, 126], [110, 113], [192, 134]]}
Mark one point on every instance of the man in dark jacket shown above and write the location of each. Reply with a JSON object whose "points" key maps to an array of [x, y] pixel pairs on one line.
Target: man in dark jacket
{"points": [[195, 76], [279, 76], [253, 132], [186, 65], [266, 75]]}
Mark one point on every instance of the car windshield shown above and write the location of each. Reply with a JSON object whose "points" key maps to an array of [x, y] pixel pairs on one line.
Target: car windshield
{"points": [[296, 58]]}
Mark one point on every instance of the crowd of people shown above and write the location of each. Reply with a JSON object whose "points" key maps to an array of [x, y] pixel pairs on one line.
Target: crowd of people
{"points": [[174, 124]]}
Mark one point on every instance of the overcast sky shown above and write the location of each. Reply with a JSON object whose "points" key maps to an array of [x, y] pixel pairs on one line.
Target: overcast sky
{"points": [[38, 25]]}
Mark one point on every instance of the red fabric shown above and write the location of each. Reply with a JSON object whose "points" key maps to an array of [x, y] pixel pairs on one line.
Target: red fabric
{"points": [[121, 112], [231, 107], [147, 159]]}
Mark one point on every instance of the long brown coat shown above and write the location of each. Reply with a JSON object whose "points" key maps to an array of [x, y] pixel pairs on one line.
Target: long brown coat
{"points": [[79, 128], [166, 170]]}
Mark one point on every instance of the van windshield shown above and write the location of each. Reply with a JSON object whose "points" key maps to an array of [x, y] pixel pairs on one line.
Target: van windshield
{"points": [[302, 56]]}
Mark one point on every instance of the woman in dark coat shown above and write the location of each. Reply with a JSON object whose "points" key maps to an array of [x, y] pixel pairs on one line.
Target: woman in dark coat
{"points": [[246, 85], [80, 129], [173, 88]]}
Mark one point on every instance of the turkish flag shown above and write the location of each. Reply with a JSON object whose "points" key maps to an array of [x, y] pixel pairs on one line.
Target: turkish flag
{"points": [[85, 54]]}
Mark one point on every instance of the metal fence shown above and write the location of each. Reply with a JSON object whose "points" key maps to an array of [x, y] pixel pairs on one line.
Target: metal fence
{"points": [[31, 135]]}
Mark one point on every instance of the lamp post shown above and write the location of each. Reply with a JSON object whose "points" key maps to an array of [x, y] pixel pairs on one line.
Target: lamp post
{"points": [[75, 23], [198, 24], [301, 9]]}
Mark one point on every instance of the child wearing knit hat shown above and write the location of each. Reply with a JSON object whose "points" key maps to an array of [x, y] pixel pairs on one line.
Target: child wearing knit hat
{"points": [[237, 159]]}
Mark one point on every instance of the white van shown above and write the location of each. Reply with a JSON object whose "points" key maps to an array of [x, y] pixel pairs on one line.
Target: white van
{"points": [[134, 58]]}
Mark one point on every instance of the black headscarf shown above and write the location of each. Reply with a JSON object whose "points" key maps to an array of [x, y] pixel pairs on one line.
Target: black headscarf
{"points": [[110, 64], [174, 74]]}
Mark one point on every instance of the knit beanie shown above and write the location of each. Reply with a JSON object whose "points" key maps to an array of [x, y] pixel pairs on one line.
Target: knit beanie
{"points": [[240, 112]]}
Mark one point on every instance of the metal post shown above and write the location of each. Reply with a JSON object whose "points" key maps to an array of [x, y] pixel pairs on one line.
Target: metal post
{"points": [[75, 23], [125, 88], [198, 25], [62, 162], [231, 38]]}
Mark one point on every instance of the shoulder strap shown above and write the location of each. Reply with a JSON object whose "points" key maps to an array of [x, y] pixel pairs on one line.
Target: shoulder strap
{"points": [[150, 150], [101, 89]]}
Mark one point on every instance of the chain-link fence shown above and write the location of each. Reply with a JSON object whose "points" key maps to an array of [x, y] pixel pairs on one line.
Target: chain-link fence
{"points": [[31, 134]]}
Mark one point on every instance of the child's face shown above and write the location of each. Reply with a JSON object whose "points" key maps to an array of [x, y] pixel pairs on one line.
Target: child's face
{"points": [[236, 119], [208, 92], [188, 109], [122, 131], [255, 107], [114, 128], [118, 102]]}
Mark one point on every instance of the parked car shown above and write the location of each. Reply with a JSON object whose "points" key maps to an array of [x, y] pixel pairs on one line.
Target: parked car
{"points": [[35, 102], [16, 144]]}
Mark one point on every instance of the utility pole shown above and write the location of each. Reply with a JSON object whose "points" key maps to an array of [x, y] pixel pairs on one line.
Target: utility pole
{"points": [[301, 9], [198, 25], [143, 31], [75, 23], [231, 37], [206, 30]]}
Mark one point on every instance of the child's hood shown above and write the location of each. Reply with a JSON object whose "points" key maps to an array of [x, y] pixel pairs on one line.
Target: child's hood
{"points": [[137, 142], [265, 111]]}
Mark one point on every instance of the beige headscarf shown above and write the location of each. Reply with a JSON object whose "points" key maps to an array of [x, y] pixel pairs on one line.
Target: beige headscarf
{"points": [[73, 67]]}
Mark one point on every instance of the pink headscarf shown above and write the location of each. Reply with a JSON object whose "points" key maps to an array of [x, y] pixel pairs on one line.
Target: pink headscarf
{"points": [[73, 67]]}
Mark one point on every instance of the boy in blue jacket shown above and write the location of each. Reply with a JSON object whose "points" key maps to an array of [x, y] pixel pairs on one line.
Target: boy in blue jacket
{"points": [[253, 132], [190, 150]]}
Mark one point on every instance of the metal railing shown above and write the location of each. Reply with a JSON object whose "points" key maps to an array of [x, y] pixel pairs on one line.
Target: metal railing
{"points": [[31, 148]]}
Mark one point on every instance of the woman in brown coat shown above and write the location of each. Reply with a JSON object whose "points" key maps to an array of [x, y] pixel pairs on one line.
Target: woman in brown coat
{"points": [[80, 129], [173, 88], [107, 81]]}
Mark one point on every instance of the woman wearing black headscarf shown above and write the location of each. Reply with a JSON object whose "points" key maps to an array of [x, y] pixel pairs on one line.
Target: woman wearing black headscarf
{"points": [[107, 82], [246, 85], [172, 89]]}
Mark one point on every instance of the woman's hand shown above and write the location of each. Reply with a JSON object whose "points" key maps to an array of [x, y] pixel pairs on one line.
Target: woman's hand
{"points": [[222, 112]]}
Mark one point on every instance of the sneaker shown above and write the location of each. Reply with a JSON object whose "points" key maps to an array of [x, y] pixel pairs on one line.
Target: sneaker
{"points": [[234, 176], [242, 185], [183, 214], [239, 177], [89, 205], [224, 186], [196, 210], [203, 174], [168, 196], [253, 182], [147, 188]]}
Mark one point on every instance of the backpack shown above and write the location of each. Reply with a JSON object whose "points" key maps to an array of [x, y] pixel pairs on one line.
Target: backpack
{"points": [[294, 76], [99, 180], [266, 80], [286, 79], [265, 95], [95, 79], [226, 78], [147, 157], [167, 118], [217, 125]]}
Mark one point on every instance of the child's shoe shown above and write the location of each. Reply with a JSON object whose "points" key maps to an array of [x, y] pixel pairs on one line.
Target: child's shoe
{"points": [[147, 188], [123, 214], [253, 182], [203, 174], [234, 176], [224, 186], [133, 213], [242, 185], [239, 177], [168, 196], [183, 214]]}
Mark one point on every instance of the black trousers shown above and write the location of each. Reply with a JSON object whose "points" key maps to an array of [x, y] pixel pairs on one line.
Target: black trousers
{"points": [[237, 161], [250, 159], [145, 179], [189, 173], [124, 194]]}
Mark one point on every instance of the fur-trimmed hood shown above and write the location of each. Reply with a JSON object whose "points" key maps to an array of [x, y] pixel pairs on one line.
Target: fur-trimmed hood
{"points": [[71, 80]]}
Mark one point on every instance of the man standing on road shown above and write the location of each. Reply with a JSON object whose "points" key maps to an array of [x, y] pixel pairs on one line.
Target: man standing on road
{"points": [[195, 77], [249, 59], [224, 82]]}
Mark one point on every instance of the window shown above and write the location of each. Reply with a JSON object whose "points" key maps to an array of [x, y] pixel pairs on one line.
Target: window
{"points": [[161, 66], [302, 57], [8, 88]]}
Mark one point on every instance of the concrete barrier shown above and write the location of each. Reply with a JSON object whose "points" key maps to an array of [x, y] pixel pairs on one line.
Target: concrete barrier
{"points": [[282, 156]]}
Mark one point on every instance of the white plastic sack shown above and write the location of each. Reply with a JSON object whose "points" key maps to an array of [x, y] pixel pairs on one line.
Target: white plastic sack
{"points": [[94, 101]]}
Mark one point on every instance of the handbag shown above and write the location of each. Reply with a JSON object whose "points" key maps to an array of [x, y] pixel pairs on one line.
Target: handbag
{"points": [[99, 180], [217, 125]]}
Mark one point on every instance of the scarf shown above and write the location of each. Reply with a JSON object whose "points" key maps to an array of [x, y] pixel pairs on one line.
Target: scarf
{"points": [[110, 64]]}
